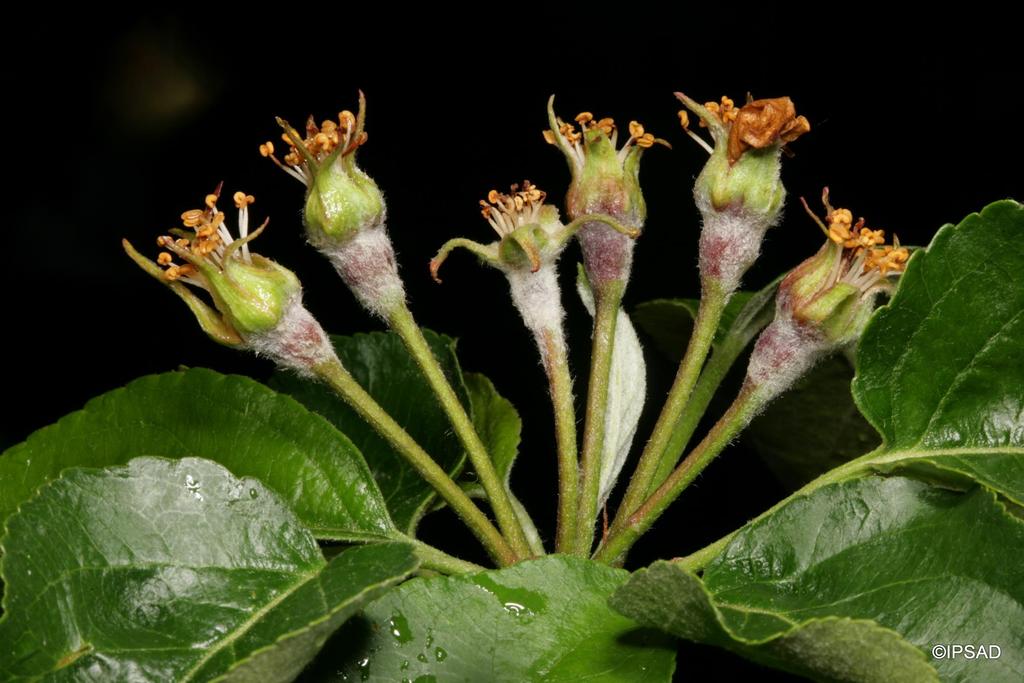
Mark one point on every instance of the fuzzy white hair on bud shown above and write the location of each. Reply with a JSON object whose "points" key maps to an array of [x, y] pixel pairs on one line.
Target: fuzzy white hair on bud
{"points": [[297, 342], [730, 242], [783, 353], [537, 298], [367, 264]]}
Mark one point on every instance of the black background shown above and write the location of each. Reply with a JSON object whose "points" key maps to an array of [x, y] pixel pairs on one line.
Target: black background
{"points": [[114, 125]]}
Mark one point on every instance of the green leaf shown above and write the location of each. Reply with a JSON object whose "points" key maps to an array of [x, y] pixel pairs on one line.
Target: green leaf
{"points": [[174, 570], [789, 434], [497, 422], [845, 583], [380, 363], [541, 620], [500, 428], [233, 420], [940, 369]]}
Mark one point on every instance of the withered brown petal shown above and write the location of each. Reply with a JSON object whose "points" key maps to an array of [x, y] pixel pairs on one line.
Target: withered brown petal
{"points": [[761, 123]]}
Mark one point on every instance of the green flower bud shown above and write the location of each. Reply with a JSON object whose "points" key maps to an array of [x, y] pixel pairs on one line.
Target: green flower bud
{"points": [[825, 302], [344, 212], [531, 239], [605, 181], [739, 192], [256, 303], [341, 200]]}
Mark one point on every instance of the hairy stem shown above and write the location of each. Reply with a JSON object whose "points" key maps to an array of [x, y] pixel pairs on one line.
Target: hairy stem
{"points": [[621, 539], [338, 378], [440, 561], [607, 300], [557, 367], [402, 322], [708, 316]]}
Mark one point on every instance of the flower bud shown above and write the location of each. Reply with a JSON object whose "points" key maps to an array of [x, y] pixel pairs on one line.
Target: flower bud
{"points": [[739, 191], [605, 180], [344, 214], [824, 303], [531, 239], [257, 304]]}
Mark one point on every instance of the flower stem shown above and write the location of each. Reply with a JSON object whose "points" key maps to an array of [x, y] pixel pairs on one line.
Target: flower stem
{"points": [[557, 367], [339, 379], [607, 300], [709, 314], [402, 322], [440, 561], [621, 539]]}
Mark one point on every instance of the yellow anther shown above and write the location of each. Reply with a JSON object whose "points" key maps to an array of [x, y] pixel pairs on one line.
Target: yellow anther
{"points": [[211, 200], [162, 240], [192, 217], [606, 125], [584, 117], [266, 149], [727, 104], [840, 217], [242, 200], [164, 258], [347, 119], [646, 141], [493, 196], [182, 242], [549, 137], [636, 130], [684, 119]]}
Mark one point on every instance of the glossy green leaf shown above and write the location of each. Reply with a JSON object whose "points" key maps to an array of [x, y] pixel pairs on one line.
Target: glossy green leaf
{"points": [[233, 420], [380, 363], [941, 368], [789, 434], [541, 620], [173, 570], [857, 582]]}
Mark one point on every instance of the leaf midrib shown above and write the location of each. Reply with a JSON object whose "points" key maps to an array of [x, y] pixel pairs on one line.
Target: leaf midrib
{"points": [[246, 625]]}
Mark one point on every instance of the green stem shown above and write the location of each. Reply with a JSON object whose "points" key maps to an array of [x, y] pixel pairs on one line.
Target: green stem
{"points": [[560, 381], [338, 378], [714, 372], [606, 304], [402, 322], [621, 539], [438, 560], [709, 314]]}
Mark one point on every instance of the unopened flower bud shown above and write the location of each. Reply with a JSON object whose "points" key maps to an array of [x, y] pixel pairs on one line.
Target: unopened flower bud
{"points": [[739, 192], [256, 303], [344, 214], [824, 303], [605, 180]]}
